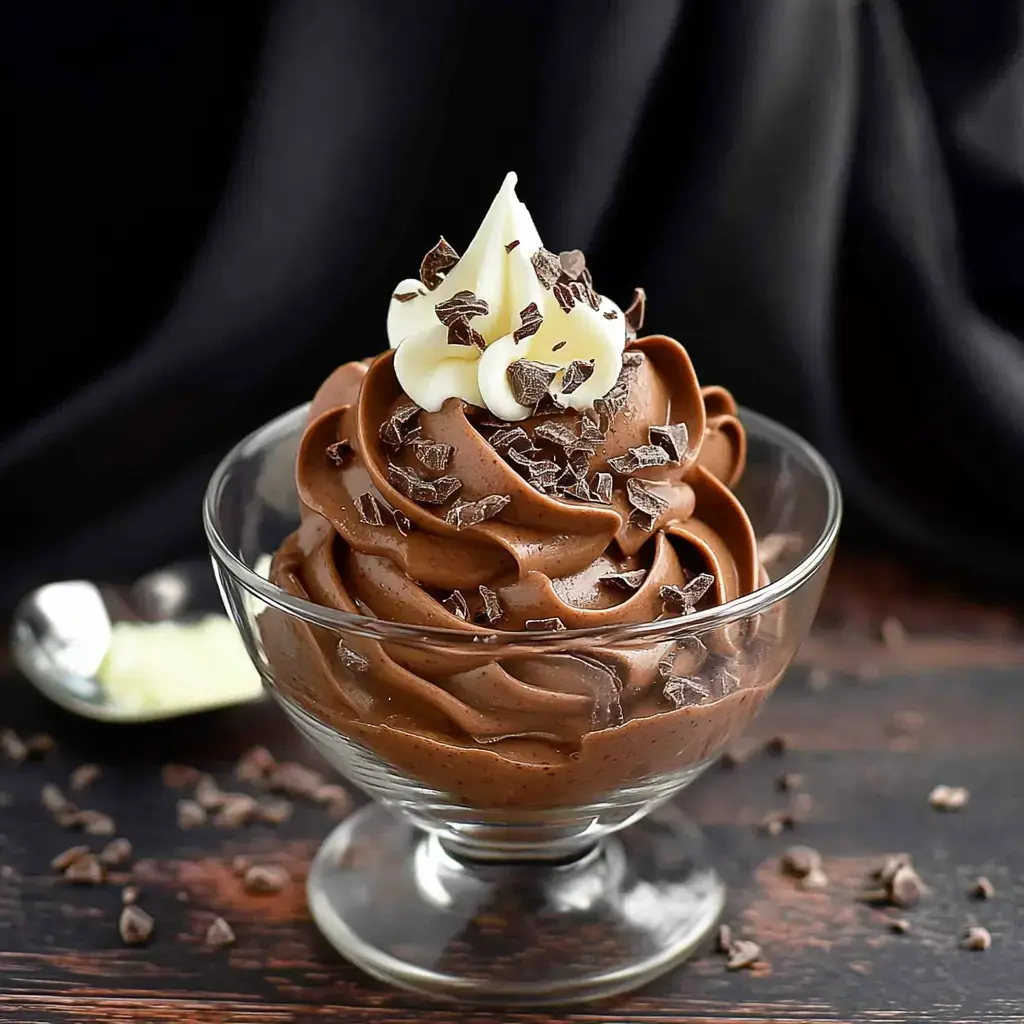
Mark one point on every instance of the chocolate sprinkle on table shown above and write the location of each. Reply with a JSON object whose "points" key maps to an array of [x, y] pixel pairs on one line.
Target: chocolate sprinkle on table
{"points": [[547, 267], [634, 315], [266, 878], [553, 623], [492, 605], [982, 889], [116, 852], [84, 776], [370, 510], [800, 861], [673, 437], [85, 870], [456, 604], [530, 380], [220, 933], [352, 660], [948, 798], [190, 814], [66, 858], [511, 245], [578, 372], [472, 513], [531, 321], [339, 451], [434, 455], [743, 954], [976, 938], [135, 925], [437, 263], [404, 296], [630, 580]]}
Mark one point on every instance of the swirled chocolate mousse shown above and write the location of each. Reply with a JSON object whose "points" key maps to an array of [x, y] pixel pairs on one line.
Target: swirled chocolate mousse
{"points": [[520, 461]]}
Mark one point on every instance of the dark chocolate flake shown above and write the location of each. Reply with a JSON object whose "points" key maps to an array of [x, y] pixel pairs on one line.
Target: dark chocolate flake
{"points": [[511, 245], [404, 296], [553, 624], [556, 433], [673, 437], [352, 660], [644, 501], [391, 430], [601, 487], [578, 372], [610, 314], [572, 263], [564, 295], [433, 455], [684, 691], [371, 511], [402, 522], [548, 406], [460, 333], [412, 485], [559, 346], [339, 451], [546, 266], [634, 315], [437, 263], [530, 380], [456, 604], [625, 580], [472, 513], [510, 437], [578, 489], [685, 599], [446, 486], [531, 320], [492, 605]]}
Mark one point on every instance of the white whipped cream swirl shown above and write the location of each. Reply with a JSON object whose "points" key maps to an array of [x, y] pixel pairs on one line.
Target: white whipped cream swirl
{"points": [[431, 370]]}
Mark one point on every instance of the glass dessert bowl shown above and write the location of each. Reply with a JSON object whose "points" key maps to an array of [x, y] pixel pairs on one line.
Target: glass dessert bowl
{"points": [[527, 579]]}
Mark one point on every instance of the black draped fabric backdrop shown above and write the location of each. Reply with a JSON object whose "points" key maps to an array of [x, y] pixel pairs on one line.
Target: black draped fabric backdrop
{"points": [[211, 203]]}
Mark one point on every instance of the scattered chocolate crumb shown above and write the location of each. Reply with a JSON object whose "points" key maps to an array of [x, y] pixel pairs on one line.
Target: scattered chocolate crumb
{"points": [[511, 245], [982, 889], [685, 599], [743, 953], [800, 861], [814, 881], [776, 746], [976, 938], [437, 263], [547, 267], [39, 745], [578, 372], [54, 800], [129, 895], [553, 623], [887, 869], [371, 511], [404, 296], [558, 346], [84, 776], [190, 814], [296, 779], [208, 794], [339, 451], [219, 933], [624, 580], [899, 925], [456, 604], [892, 631], [948, 798], [492, 604], [12, 746], [135, 925], [275, 810], [471, 513], [530, 380], [95, 823], [255, 765], [673, 437], [237, 809], [906, 887], [67, 857], [240, 864], [350, 659], [789, 781], [634, 314], [85, 870], [433, 455], [178, 776], [725, 939], [530, 320], [774, 823], [903, 722], [116, 852], [266, 878], [601, 488]]}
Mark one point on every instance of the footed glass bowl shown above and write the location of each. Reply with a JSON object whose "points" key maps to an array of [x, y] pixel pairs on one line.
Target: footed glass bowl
{"points": [[501, 869]]}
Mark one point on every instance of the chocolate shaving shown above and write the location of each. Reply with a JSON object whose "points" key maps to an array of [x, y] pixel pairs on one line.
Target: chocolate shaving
{"points": [[683, 691], [601, 488], [625, 580], [559, 346], [547, 267], [352, 660], [578, 489], [548, 406], [610, 314], [511, 245], [556, 433], [644, 501], [456, 604], [371, 511], [673, 437], [460, 333], [391, 432], [530, 380], [404, 296], [446, 486], [509, 438], [339, 451], [472, 513], [434, 455], [412, 437], [578, 372], [645, 456], [564, 295], [634, 315], [531, 321], [456, 312], [554, 623], [402, 522], [135, 926], [492, 605], [437, 263], [684, 599], [426, 492]]}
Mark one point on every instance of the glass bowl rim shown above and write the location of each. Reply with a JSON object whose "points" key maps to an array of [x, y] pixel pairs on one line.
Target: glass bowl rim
{"points": [[427, 636]]}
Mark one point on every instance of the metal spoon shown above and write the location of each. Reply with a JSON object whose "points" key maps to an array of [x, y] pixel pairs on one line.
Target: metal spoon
{"points": [[62, 634]]}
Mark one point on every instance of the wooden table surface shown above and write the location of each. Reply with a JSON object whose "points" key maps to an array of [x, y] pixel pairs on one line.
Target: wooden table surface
{"points": [[830, 957]]}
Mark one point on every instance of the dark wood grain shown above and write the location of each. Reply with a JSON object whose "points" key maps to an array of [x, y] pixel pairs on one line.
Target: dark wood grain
{"points": [[830, 956]]}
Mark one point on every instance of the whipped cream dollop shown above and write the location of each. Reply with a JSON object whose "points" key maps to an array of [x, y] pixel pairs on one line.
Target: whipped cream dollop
{"points": [[505, 324]]}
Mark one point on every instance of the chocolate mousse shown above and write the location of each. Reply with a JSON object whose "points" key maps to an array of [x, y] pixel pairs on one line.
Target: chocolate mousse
{"points": [[519, 464]]}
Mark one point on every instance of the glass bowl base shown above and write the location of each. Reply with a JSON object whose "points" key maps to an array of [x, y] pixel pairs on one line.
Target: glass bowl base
{"points": [[397, 903]]}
